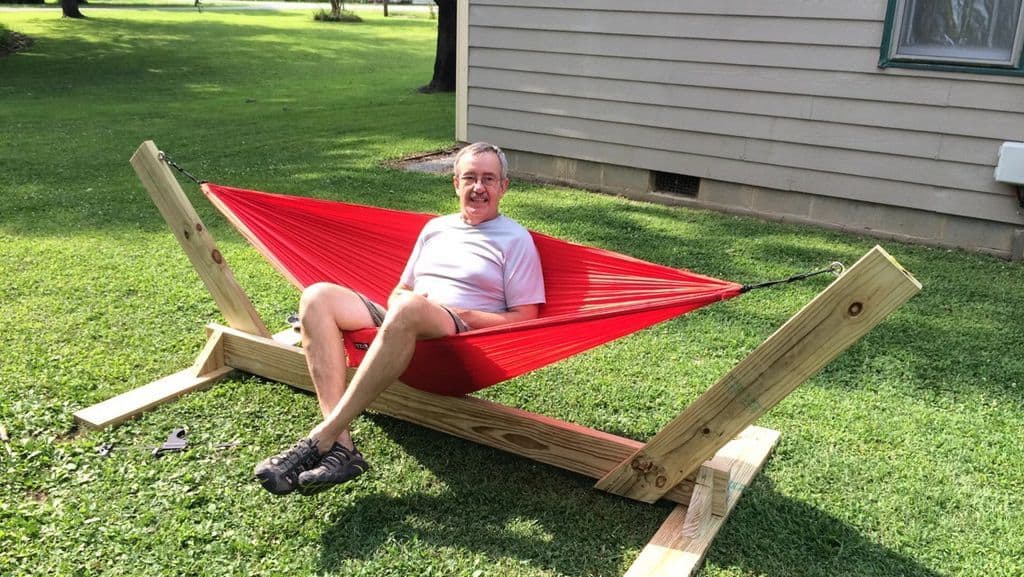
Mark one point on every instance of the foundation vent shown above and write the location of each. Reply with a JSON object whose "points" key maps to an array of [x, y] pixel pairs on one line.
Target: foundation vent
{"points": [[676, 184]]}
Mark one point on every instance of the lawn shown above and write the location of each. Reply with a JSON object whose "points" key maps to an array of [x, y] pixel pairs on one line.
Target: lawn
{"points": [[903, 457]]}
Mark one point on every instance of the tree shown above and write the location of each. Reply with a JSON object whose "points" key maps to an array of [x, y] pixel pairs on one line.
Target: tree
{"points": [[444, 56], [337, 7], [70, 9]]}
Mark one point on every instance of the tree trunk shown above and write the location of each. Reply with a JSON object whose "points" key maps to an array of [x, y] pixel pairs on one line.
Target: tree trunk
{"points": [[444, 57], [70, 9]]}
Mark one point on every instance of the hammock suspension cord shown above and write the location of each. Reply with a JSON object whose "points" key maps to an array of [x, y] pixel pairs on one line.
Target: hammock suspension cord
{"points": [[163, 156], [836, 268]]}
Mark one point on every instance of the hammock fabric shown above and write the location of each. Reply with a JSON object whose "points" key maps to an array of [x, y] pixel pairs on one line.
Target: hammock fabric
{"points": [[593, 295]]}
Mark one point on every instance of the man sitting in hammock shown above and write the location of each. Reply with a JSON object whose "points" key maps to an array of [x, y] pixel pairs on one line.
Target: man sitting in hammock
{"points": [[472, 269]]}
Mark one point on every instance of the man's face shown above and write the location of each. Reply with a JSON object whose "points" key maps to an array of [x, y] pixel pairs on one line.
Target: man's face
{"points": [[479, 186]]}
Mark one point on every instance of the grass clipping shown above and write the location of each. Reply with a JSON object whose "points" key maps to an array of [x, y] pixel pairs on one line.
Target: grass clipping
{"points": [[339, 16]]}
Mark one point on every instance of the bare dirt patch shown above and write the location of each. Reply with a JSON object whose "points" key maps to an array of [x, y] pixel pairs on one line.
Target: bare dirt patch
{"points": [[438, 162]]}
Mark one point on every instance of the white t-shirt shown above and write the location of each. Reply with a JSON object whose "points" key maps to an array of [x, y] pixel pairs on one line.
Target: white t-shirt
{"points": [[490, 267]]}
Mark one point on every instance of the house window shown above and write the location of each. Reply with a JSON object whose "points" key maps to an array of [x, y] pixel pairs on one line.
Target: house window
{"points": [[964, 35]]}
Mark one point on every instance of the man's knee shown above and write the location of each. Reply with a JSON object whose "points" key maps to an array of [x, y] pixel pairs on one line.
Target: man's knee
{"points": [[315, 306], [318, 295], [406, 311], [414, 314], [330, 305]]}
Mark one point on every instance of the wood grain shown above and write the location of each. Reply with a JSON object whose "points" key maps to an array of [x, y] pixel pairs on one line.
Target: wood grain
{"points": [[841, 314], [195, 240]]}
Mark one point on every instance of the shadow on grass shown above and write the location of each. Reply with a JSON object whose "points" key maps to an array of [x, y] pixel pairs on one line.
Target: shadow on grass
{"points": [[487, 502], [511, 508], [776, 536]]}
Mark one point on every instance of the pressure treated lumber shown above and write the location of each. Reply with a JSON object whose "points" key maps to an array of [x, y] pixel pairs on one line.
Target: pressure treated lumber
{"points": [[857, 301], [128, 405], [833, 321], [679, 546], [573, 447], [193, 237], [716, 474], [208, 368]]}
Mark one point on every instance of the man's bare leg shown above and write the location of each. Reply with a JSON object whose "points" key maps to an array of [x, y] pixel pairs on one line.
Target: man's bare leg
{"points": [[316, 462], [324, 311], [410, 317]]}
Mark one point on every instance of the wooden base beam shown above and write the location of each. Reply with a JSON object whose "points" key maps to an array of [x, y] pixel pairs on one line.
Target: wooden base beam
{"points": [[680, 545], [207, 370]]}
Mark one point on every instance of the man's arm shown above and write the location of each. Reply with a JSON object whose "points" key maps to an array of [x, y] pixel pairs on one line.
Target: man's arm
{"points": [[481, 319]]}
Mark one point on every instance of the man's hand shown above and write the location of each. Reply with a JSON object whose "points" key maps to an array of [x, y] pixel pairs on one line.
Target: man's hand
{"points": [[481, 319]]}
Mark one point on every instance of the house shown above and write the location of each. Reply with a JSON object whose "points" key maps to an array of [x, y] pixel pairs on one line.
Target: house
{"points": [[883, 117]]}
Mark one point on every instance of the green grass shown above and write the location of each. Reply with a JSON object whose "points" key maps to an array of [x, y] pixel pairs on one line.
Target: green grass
{"points": [[902, 458]]}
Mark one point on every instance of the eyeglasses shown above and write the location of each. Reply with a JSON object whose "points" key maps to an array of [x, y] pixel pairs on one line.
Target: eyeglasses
{"points": [[487, 180]]}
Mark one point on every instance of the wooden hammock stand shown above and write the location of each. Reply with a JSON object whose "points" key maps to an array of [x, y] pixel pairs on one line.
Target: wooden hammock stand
{"points": [[702, 460]]}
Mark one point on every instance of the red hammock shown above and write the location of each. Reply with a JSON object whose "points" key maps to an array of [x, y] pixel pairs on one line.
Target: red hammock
{"points": [[593, 295]]}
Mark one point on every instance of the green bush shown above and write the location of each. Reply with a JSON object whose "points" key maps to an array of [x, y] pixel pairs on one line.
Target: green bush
{"points": [[343, 16]]}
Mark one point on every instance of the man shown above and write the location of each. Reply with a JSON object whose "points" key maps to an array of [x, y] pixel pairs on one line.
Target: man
{"points": [[468, 270]]}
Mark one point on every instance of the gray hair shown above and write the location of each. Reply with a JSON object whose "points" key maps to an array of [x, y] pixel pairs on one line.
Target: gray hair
{"points": [[480, 148]]}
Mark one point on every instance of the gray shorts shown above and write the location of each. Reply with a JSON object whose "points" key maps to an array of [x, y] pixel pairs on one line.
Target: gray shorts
{"points": [[377, 313]]}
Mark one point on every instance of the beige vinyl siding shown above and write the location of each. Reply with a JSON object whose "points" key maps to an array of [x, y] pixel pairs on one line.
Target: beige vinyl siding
{"points": [[920, 197], [1004, 94], [927, 145], [983, 124], [829, 9], [785, 95], [759, 152]]}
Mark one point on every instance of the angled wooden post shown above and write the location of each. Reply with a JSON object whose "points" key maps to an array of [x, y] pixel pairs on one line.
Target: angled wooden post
{"points": [[841, 314], [193, 237], [206, 258]]}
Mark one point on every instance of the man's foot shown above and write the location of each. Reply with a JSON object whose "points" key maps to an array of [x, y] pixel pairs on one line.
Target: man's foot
{"points": [[337, 465], [280, 474]]}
